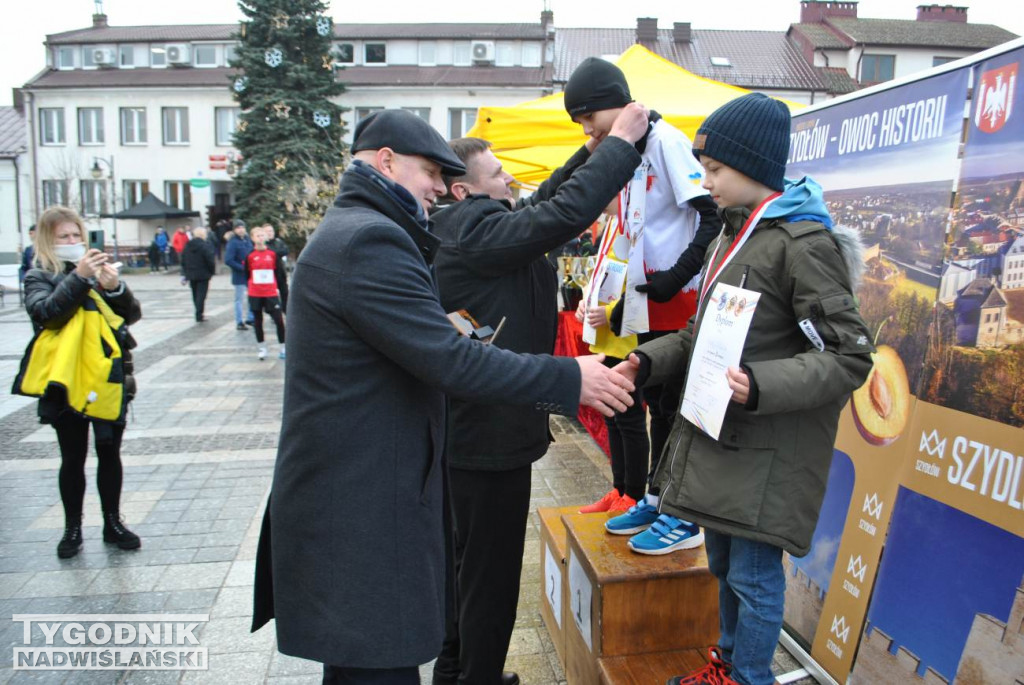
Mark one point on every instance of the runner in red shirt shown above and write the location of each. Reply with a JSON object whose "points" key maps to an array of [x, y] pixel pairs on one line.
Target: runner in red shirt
{"points": [[264, 271]]}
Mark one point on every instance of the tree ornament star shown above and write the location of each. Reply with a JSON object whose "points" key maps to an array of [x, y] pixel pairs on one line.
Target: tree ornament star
{"points": [[279, 20], [280, 163], [328, 63], [282, 110]]}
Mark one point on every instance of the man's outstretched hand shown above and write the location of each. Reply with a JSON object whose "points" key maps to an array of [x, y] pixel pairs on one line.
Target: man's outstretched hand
{"points": [[601, 388]]}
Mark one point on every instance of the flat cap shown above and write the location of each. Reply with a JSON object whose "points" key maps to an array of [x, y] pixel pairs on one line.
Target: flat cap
{"points": [[407, 134]]}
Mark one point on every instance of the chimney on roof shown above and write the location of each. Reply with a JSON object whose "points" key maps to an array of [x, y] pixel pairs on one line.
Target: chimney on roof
{"points": [[681, 32], [816, 11], [646, 29], [948, 13], [547, 19], [18, 96], [99, 21]]}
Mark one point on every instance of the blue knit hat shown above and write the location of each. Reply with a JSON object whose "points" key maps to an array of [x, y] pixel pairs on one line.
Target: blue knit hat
{"points": [[749, 134]]}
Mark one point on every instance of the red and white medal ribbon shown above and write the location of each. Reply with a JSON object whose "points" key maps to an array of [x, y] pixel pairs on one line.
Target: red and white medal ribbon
{"points": [[737, 245]]}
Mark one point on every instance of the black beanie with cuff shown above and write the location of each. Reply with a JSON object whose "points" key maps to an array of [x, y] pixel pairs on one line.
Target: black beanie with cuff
{"points": [[749, 134], [595, 85]]}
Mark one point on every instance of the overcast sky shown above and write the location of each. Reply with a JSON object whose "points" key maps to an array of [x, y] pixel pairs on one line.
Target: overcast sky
{"points": [[21, 51]]}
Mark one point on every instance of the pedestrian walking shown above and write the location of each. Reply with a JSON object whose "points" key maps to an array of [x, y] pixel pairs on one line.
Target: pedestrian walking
{"points": [[198, 266]]}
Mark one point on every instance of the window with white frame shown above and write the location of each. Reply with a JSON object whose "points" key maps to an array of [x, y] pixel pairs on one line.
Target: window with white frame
{"points": [[133, 126], [344, 53], [877, 68], [375, 53], [65, 58], [422, 112], [90, 126], [531, 54], [460, 121], [127, 56], [463, 56], [428, 53], [363, 112], [175, 122], [157, 56], [89, 56], [134, 191], [226, 121], [178, 194], [55, 192], [94, 197], [51, 126], [507, 54], [230, 54], [206, 55]]}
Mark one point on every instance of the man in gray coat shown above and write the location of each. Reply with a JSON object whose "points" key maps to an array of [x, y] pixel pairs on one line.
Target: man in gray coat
{"points": [[352, 560]]}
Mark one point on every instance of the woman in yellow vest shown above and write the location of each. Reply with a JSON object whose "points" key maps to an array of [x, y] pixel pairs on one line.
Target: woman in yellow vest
{"points": [[79, 366]]}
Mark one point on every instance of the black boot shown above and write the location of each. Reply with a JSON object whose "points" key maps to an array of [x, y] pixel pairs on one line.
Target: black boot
{"points": [[71, 543], [114, 531]]}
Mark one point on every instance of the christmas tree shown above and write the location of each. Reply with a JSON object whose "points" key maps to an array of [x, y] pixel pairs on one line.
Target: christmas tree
{"points": [[290, 130]]}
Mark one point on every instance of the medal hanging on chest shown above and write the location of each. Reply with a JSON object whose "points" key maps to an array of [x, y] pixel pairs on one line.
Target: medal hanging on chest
{"points": [[633, 218]]}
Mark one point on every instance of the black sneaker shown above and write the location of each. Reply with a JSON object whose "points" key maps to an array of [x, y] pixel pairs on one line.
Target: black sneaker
{"points": [[115, 532], [71, 543]]}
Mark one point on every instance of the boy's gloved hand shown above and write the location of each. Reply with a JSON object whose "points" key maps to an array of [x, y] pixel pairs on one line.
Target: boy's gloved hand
{"points": [[662, 286]]}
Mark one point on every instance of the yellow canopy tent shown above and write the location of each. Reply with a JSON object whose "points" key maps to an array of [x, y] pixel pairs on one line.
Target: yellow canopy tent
{"points": [[534, 138]]}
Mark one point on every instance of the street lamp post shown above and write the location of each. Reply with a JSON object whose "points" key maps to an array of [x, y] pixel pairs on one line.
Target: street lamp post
{"points": [[97, 173]]}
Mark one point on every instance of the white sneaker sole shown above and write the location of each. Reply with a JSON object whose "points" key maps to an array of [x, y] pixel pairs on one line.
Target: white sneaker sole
{"points": [[627, 531], [689, 543]]}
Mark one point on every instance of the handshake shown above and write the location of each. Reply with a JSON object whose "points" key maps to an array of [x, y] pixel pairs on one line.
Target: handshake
{"points": [[607, 390]]}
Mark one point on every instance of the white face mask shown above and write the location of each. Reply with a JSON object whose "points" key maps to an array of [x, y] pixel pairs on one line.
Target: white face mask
{"points": [[69, 253]]}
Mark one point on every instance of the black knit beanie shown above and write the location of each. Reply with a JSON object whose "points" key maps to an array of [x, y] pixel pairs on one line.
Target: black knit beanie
{"points": [[750, 134], [596, 84]]}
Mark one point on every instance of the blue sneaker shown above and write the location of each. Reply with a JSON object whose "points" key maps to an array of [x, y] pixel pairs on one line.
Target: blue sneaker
{"points": [[665, 535], [638, 517]]}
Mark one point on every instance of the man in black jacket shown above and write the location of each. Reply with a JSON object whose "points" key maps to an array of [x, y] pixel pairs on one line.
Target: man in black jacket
{"points": [[491, 262], [352, 555]]}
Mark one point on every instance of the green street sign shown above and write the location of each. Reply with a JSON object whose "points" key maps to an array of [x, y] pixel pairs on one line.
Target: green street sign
{"points": [[199, 182]]}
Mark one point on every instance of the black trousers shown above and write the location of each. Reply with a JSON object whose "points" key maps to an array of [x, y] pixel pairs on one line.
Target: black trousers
{"points": [[341, 675], [628, 444], [490, 510], [663, 403], [273, 308], [199, 290], [73, 438]]}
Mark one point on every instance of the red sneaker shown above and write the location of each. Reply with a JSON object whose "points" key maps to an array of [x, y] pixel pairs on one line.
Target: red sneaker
{"points": [[622, 504], [716, 672], [603, 504]]}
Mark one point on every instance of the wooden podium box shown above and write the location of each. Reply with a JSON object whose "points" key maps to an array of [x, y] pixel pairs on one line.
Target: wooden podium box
{"points": [[553, 578], [648, 669], [620, 603]]}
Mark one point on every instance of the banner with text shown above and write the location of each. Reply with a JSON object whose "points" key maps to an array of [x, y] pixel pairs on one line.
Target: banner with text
{"points": [[949, 599], [888, 163]]}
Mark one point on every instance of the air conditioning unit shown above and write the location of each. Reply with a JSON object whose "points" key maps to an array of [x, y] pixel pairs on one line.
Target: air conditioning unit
{"points": [[179, 54], [483, 51], [104, 57]]}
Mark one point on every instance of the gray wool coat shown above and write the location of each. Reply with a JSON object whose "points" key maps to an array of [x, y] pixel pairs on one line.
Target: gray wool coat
{"points": [[352, 560]]}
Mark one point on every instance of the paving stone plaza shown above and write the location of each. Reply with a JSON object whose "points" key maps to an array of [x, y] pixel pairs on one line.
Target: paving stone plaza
{"points": [[198, 456]]}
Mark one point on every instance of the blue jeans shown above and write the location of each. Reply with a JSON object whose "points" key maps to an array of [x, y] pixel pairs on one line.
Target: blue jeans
{"points": [[241, 303], [751, 593]]}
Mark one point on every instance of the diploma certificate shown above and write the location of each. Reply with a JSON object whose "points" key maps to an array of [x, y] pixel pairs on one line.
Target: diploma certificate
{"points": [[719, 344]]}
